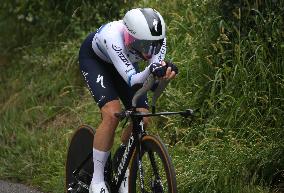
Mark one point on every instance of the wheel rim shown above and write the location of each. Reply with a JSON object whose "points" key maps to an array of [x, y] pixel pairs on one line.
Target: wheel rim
{"points": [[152, 183]]}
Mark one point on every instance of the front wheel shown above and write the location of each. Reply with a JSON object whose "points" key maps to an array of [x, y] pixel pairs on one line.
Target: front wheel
{"points": [[158, 171]]}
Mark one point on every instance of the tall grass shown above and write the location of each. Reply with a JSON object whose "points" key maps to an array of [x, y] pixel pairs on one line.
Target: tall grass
{"points": [[230, 56]]}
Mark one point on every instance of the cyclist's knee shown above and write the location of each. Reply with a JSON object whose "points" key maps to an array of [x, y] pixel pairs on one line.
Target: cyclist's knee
{"points": [[108, 111], [146, 121]]}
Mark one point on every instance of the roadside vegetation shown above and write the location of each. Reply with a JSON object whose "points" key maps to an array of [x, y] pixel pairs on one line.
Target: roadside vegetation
{"points": [[230, 56]]}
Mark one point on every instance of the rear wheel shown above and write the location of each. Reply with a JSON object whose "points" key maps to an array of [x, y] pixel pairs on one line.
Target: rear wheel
{"points": [[159, 174], [80, 148]]}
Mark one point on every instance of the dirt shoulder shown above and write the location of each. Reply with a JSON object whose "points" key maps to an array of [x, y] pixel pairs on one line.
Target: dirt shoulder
{"points": [[9, 187]]}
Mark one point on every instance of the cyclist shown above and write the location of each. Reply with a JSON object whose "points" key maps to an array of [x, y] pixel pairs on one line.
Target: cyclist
{"points": [[108, 61]]}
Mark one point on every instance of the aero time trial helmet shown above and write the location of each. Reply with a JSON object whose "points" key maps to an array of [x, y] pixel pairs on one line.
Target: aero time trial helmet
{"points": [[145, 31]]}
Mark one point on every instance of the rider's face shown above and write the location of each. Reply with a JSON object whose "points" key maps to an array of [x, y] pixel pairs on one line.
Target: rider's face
{"points": [[147, 56]]}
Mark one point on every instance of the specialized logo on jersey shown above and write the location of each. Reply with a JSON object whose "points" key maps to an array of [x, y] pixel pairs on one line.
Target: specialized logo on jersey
{"points": [[123, 58], [101, 79]]}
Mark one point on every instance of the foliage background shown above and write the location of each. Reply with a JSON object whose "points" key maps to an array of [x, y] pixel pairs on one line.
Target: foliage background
{"points": [[230, 56]]}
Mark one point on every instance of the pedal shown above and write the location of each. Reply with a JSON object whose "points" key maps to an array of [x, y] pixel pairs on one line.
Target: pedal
{"points": [[78, 187], [81, 184], [84, 177], [71, 187]]}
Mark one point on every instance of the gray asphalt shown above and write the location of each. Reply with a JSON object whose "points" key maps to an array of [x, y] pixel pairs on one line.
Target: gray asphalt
{"points": [[9, 187]]}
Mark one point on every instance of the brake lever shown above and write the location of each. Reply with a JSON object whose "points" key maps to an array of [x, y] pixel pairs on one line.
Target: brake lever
{"points": [[123, 114]]}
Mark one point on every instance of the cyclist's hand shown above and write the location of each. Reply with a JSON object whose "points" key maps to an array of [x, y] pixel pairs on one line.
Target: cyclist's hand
{"points": [[171, 72], [158, 70], [173, 67]]}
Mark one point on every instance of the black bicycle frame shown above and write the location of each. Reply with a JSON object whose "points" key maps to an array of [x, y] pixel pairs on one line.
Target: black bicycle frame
{"points": [[134, 142]]}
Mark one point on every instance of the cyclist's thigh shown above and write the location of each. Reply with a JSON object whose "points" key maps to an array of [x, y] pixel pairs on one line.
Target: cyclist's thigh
{"points": [[98, 80], [126, 95]]}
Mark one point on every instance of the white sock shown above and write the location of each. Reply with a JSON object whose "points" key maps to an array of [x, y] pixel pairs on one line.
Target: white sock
{"points": [[100, 159]]}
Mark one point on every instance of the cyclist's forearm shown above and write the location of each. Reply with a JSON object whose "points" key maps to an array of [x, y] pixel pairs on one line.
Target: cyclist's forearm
{"points": [[140, 77]]}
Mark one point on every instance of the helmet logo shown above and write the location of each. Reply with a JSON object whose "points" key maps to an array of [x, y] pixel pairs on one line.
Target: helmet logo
{"points": [[155, 24], [153, 20]]}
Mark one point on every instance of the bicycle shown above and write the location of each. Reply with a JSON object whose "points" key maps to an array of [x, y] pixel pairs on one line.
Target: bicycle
{"points": [[79, 168]]}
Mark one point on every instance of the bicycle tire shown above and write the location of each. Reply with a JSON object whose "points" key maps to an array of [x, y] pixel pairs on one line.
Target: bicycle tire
{"points": [[154, 144], [80, 146]]}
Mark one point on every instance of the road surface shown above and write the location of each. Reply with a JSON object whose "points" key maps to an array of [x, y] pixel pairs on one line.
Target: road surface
{"points": [[9, 187]]}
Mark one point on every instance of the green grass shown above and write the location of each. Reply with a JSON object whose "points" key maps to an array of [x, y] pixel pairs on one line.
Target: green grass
{"points": [[233, 75]]}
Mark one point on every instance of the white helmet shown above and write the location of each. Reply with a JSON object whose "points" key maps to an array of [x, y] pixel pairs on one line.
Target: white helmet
{"points": [[145, 30]]}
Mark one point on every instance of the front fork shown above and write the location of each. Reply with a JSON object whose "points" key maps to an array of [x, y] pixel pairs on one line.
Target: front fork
{"points": [[151, 157], [156, 183]]}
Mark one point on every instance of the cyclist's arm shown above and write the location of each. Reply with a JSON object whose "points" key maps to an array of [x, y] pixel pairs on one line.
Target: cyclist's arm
{"points": [[125, 68], [159, 57]]}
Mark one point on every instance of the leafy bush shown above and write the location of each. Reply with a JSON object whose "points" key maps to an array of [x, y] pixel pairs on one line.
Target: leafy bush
{"points": [[39, 22]]}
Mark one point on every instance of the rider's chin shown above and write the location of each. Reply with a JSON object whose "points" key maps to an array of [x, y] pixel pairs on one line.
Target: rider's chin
{"points": [[147, 56]]}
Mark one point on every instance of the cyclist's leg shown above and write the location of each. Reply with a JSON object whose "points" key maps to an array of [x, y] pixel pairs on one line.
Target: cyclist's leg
{"points": [[126, 94], [100, 83], [106, 130], [109, 104], [98, 77], [101, 87], [103, 141]]}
